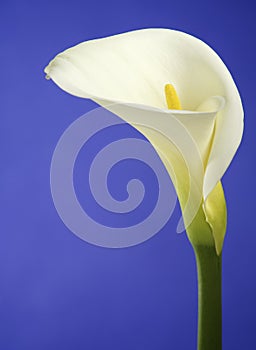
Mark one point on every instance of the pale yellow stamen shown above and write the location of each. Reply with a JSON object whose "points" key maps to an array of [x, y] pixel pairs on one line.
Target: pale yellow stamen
{"points": [[172, 98]]}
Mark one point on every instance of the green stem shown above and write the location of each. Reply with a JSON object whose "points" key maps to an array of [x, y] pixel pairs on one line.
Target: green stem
{"points": [[209, 298]]}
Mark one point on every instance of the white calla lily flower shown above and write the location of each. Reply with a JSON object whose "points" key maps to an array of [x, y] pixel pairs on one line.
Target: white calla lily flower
{"points": [[177, 91]]}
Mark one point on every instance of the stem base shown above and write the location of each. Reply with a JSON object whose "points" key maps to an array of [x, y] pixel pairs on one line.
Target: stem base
{"points": [[209, 266]]}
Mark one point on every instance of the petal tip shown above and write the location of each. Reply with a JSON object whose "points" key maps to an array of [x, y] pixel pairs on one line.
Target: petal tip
{"points": [[47, 71]]}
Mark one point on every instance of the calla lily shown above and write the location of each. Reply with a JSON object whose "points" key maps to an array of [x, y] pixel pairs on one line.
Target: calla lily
{"points": [[130, 75], [177, 92]]}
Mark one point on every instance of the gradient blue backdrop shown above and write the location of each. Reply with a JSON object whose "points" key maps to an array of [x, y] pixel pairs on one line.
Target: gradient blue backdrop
{"points": [[58, 292]]}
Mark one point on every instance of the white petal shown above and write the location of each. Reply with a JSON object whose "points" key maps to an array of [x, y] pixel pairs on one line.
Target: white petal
{"points": [[172, 135], [134, 67]]}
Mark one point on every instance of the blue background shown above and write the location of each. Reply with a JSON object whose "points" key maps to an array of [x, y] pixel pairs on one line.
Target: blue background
{"points": [[58, 292]]}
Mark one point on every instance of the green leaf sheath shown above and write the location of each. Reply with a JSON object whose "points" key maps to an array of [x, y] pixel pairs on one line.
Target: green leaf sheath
{"points": [[209, 268]]}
